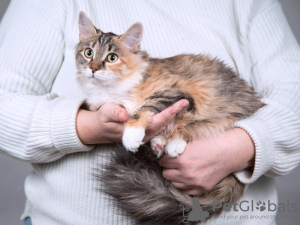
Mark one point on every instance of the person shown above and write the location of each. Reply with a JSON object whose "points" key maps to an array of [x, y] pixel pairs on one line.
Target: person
{"points": [[43, 123]]}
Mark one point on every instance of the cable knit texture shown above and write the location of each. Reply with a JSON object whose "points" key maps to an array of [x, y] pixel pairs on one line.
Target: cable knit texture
{"points": [[39, 98]]}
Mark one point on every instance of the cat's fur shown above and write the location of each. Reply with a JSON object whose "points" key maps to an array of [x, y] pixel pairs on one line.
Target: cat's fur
{"points": [[146, 86]]}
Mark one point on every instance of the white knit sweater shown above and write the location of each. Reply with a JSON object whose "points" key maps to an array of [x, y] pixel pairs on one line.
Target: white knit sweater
{"points": [[39, 97]]}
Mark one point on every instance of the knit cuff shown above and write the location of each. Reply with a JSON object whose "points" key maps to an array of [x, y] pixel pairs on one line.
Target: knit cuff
{"points": [[63, 127], [264, 149]]}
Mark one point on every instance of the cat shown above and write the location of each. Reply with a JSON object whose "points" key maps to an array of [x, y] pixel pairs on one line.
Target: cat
{"points": [[113, 68]]}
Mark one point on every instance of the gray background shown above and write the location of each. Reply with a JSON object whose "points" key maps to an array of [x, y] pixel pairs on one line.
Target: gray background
{"points": [[13, 172]]}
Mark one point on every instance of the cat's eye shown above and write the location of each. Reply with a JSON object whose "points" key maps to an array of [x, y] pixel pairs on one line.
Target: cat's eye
{"points": [[111, 58], [88, 53]]}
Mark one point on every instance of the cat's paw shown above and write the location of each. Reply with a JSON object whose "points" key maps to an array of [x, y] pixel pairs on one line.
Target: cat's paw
{"points": [[133, 138], [175, 147], [158, 145]]}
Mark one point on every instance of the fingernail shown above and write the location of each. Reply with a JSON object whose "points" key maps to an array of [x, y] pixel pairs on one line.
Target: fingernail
{"points": [[121, 116], [185, 104], [179, 107]]}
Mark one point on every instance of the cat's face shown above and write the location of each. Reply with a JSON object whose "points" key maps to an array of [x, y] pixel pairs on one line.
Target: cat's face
{"points": [[100, 58], [107, 58]]}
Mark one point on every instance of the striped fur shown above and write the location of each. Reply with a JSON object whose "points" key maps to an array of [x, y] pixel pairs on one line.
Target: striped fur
{"points": [[146, 86]]}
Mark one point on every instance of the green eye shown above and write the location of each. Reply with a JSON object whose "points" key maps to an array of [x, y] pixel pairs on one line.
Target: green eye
{"points": [[112, 58], [88, 53]]}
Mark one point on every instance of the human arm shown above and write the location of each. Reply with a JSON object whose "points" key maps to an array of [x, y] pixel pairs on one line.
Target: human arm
{"points": [[275, 57], [274, 129], [36, 125]]}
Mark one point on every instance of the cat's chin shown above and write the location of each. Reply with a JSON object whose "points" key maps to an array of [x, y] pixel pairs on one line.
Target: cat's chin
{"points": [[95, 79], [99, 82], [101, 77]]}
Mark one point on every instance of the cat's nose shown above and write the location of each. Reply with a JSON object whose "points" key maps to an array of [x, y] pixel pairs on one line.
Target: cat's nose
{"points": [[94, 69]]}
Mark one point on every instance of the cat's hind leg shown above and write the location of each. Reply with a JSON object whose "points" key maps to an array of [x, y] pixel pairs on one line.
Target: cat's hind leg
{"points": [[175, 146], [158, 145]]}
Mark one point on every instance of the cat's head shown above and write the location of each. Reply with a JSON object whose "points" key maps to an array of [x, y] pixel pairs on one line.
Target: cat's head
{"points": [[107, 58]]}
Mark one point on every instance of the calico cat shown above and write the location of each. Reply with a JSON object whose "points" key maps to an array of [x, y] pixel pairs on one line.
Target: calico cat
{"points": [[112, 68]]}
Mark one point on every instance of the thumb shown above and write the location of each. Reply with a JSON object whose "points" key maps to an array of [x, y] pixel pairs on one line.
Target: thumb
{"points": [[114, 113], [167, 115], [160, 120]]}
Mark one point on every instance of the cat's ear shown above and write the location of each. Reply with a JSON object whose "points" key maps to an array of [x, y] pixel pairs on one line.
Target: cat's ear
{"points": [[86, 27], [132, 37]]}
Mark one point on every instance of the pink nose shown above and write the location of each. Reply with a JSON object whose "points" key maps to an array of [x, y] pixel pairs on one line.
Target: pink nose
{"points": [[94, 69]]}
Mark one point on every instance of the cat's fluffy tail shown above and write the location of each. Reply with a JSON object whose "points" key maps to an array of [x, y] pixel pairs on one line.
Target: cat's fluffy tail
{"points": [[135, 181]]}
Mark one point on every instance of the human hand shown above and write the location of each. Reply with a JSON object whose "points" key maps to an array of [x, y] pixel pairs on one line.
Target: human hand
{"points": [[106, 125], [205, 162]]}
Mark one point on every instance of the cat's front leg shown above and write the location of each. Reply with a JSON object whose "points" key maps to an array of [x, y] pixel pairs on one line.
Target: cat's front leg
{"points": [[135, 128]]}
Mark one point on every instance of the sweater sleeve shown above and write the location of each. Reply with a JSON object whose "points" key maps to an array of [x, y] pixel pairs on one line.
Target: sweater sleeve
{"points": [[275, 129], [35, 125]]}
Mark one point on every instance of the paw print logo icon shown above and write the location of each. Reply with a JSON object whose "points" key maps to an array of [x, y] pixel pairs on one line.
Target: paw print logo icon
{"points": [[261, 206], [197, 212]]}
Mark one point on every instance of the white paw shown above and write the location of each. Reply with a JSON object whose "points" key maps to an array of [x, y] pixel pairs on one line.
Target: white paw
{"points": [[158, 145], [133, 138], [175, 147]]}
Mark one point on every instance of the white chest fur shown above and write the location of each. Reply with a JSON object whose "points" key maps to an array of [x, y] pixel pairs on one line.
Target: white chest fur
{"points": [[97, 94]]}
